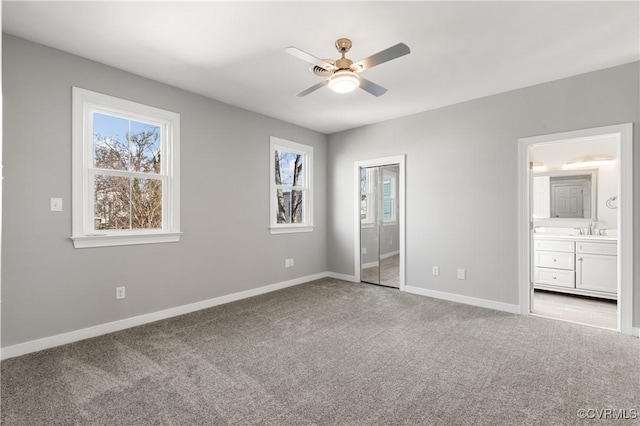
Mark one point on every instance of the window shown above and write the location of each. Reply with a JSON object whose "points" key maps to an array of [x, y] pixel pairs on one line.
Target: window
{"points": [[367, 189], [389, 196], [126, 186], [291, 187]]}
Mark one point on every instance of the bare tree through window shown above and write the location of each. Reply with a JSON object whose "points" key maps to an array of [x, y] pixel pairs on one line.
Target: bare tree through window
{"points": [[134, 201]]}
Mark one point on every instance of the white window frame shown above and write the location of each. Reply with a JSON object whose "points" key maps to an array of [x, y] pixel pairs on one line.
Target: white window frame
{"points": [[393, 176], [307, 170], [85, 103], [368, 220]]}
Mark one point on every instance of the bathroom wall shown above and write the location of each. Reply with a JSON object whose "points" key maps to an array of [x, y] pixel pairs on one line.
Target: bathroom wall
{"points": [[554, 157]]}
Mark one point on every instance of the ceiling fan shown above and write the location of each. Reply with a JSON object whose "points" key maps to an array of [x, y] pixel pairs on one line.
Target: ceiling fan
{"points": [[343, 73]]}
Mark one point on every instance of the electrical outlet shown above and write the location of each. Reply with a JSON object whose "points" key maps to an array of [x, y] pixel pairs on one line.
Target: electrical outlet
{"points": [[462, 274], [435, 270], [56, 204], [291, 262], [120, 294]]}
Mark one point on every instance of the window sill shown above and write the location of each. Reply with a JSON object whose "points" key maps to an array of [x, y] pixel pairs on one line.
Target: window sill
{"points": [[90, 241], [291, 229], [389, 223]]}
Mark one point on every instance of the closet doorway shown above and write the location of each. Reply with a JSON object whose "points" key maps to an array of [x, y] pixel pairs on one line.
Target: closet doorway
{"points": [[379, 231], [380, 222]]}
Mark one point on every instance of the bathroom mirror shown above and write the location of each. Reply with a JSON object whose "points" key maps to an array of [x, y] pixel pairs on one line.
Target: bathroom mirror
{"points": [[564, 194]]}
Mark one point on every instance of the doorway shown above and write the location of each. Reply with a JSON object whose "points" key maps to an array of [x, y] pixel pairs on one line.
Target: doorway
{"points": [[379, 230], [379, 224], [576, 247]]}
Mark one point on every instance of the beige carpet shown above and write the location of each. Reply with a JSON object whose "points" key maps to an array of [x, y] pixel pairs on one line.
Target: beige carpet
{"points": [[329, 352]]}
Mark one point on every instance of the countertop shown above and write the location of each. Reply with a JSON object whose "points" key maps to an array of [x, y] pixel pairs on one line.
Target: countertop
{"points": [[603, 238]]}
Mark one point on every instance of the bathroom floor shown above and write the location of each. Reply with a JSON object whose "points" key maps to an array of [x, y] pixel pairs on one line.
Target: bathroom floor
{"points": [[585, 310]]}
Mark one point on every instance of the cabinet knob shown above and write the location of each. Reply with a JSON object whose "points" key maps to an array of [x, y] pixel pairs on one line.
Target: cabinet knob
{"points": [[579, 259], [554, 277], [555, 260]]}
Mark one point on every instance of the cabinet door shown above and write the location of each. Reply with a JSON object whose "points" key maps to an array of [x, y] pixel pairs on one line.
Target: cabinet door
{"points": [[597, 272]]}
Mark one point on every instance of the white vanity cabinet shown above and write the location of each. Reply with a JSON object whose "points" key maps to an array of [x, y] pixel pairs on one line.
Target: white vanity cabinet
{"points": [[578, 265]]}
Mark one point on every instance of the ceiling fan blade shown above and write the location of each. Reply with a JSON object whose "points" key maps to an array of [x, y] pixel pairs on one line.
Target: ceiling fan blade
{"points": [[371, 87], [307, 57], [381, 57], [312, 88]]}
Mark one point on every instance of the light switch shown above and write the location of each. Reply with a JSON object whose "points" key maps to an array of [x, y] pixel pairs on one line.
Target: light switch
{"points": [[462, 274], [56, 204]]}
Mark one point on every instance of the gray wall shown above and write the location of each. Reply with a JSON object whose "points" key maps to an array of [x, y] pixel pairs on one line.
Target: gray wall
{"points": [[48, 287], [462, 193]]}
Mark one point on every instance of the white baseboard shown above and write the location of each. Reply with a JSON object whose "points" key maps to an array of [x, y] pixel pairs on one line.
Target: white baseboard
{"points": [[110, 327], [467, 300], [635, 332], [390, 254], [343, 277]]}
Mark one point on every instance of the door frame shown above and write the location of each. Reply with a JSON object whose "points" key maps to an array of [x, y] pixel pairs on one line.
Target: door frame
{"points": [[624, 135], [385, 161]]}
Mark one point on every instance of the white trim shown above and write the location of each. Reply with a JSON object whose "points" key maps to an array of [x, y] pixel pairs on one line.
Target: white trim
{"points": [[84, 103], [307, 152], [290, 229], [343, 277], [90, 241], [401, 199], [624, 135], [390, 254], [467, 300], [110, 327]]}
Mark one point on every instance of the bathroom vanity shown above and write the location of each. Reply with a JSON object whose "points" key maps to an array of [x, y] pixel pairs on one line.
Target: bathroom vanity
{"points": [[576, 264]]}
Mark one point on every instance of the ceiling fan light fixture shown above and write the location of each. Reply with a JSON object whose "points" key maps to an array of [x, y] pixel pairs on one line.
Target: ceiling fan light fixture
{"points": [[344, 81]]}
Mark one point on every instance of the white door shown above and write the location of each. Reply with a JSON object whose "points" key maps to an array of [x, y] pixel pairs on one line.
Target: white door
{"points": [[567, 200]]}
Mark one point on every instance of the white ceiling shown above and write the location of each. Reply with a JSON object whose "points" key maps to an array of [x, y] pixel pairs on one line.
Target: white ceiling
{"points": [[232, 51]]}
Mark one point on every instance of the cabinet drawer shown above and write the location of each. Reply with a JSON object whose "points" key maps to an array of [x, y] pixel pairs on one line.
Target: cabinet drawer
{"points": [[597, 248], [553, 245], [557, 277], [556, 260]]}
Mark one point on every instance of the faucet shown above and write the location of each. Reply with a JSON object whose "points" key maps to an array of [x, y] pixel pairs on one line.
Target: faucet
{"points": [[592, 228]]}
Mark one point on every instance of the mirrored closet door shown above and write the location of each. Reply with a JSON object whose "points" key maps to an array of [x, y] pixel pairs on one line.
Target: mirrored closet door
{"points": [[379, 227]]}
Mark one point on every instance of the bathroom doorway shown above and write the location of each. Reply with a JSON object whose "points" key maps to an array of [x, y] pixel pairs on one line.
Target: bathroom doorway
{"points": [[577, 262], [379, 245]]}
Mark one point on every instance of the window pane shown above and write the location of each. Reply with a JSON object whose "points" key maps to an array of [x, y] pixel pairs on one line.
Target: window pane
{"points": [[144, 145], [111, 207], [363, 207], [387, 210], [146, 206], [110, 144], [386, 188], [297, 203], [289, 170], [283, 214]]}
